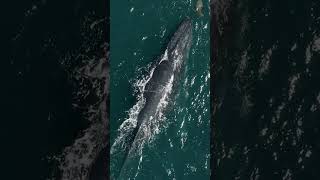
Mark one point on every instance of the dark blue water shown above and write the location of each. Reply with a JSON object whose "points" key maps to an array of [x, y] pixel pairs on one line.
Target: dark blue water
{"points": [[265, 89], [39, 116]]}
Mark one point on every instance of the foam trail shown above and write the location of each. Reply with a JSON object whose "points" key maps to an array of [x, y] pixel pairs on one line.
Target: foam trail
{"points": [[147, 129]]}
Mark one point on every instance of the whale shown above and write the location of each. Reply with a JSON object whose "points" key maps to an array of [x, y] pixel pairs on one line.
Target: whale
{"points": [[170, 65], [167, 69]]}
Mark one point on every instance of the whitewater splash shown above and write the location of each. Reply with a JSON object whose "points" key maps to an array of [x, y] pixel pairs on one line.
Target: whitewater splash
{"points": [[148, 129]]}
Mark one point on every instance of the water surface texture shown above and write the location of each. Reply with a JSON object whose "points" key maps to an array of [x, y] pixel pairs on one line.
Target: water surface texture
{"points": [[55, 61], [266, 93], [175, 146]]}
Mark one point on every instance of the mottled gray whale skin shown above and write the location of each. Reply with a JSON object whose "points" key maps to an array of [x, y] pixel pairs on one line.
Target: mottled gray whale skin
{"points": [[178, 47]]}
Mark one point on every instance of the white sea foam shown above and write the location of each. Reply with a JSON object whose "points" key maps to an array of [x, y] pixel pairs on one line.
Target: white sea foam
{"points": [[128, 125], [148, 129]]}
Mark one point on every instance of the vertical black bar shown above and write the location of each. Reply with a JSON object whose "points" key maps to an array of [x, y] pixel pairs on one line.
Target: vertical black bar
{"points": [[213, 59]]}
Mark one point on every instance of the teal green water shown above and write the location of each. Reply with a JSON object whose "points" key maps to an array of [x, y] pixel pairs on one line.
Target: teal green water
{"points": [[178, 148]]}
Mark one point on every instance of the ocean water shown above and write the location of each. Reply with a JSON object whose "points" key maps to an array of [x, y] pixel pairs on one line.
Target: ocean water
{"points": [[55, 89], [266, 89], [177, 145], [42, 94]]}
